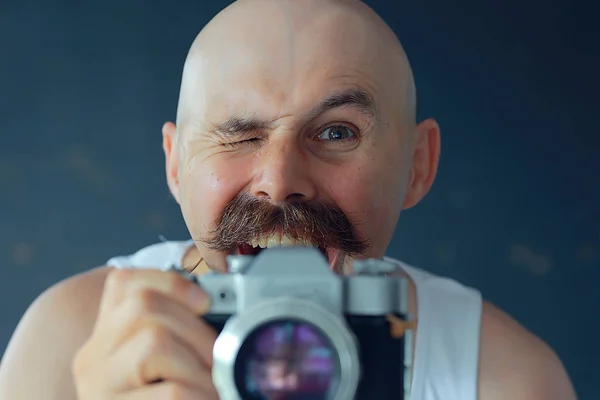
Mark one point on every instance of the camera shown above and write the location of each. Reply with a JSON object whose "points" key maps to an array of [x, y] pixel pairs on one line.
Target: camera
{"points": [[290, 328]]}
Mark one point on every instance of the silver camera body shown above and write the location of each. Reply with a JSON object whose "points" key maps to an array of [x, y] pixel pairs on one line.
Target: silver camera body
{"points": [[296, 284]]}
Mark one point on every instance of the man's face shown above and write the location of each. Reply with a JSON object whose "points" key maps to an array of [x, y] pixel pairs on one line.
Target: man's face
{"points": [[275, 373], [309, 120]]}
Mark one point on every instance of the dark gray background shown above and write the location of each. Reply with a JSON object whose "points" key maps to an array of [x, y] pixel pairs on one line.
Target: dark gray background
{"points": [[86, 85]]}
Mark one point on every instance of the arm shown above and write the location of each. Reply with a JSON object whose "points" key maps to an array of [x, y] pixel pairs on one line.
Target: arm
{"points": [[516, 365], [37, 361]]}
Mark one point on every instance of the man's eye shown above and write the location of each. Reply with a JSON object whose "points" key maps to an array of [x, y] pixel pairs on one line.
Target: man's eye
{"points": [[337, 133], [252, 142]]}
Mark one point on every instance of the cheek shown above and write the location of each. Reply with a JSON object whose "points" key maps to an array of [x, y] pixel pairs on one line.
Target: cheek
{"points": [[207, 189], [370, 198]]}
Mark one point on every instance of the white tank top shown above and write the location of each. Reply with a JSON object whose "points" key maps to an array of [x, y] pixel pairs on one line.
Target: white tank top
{"points": [[449, 314]]}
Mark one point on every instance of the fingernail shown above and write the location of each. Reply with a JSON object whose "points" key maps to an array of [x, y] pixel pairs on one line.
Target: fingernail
{"points": [[199, 299]]}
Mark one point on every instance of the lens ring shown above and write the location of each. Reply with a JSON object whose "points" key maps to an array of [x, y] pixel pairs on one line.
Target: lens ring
{"points": [[239, 327]]}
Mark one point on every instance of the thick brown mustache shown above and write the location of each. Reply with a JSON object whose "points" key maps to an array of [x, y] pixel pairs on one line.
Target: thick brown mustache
{"points": [[247, 217]]}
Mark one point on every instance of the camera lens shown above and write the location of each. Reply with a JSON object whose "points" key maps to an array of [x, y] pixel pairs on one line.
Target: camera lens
{"points": [[287, 359]]}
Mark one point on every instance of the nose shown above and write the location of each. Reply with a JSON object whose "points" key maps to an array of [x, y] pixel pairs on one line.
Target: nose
{"points": [[281, 174]]}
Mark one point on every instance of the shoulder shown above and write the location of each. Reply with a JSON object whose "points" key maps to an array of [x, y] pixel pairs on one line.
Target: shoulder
{"points": [[37, 361], [513, 362], [516, 364]]}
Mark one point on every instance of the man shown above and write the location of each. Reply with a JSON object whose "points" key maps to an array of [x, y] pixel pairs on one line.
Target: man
{"points": [[292, 362], [277, 379], [296, 124]]}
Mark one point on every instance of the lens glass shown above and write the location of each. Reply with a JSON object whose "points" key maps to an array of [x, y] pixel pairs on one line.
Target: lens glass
{"points": [[291, 360]]}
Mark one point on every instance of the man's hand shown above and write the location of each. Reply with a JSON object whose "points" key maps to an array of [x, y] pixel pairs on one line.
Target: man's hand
{"points": [[148, 341]]}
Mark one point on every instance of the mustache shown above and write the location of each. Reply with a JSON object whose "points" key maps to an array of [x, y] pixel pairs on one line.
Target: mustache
{"points": [[246, 218]]}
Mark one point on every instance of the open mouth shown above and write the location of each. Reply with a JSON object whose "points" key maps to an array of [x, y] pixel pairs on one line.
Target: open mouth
{"points": [[255, 247]]}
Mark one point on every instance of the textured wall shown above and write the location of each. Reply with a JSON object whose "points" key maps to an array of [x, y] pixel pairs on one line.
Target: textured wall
{"points": [[86, 86]]}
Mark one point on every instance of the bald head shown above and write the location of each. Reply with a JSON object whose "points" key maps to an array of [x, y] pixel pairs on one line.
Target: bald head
{"points": [[272, 41], [299, 105]]}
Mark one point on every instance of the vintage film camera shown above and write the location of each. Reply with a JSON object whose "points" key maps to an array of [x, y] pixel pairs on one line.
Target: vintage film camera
{"points": [[290, 328]]}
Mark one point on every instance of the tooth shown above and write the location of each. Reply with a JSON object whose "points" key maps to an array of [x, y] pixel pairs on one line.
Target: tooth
{"points": [[274, 240], [298, 242], [262, 242], [278, 240], [286, 241]]}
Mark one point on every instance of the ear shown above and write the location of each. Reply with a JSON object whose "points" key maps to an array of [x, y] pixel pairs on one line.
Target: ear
{"points": [[425, 159], [169, 131]]}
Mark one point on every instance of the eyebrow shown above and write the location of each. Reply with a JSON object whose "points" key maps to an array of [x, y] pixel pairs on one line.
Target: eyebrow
{"points": [[359, 99], [238, 124]]}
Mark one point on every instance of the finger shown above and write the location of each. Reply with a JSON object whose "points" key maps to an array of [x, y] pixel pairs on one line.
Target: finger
{"points": [[122, 282], [168, 390], [146, 309], [154, 354]]}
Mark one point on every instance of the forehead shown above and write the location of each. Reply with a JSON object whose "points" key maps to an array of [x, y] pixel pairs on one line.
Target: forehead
{"points": [[288, 74], [255, 92]]}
